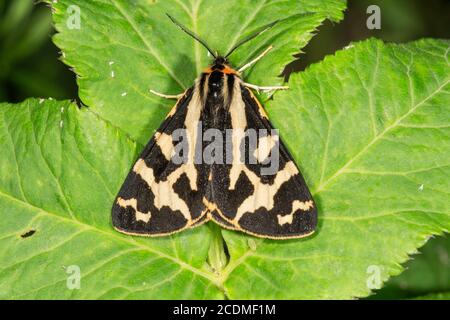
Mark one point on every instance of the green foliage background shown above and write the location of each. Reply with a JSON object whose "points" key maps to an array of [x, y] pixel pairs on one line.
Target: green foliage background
{"points": [[64, 165]]}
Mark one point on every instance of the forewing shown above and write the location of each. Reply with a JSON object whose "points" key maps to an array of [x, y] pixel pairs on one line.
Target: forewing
{"points": [[161, 194], [264, 194]]}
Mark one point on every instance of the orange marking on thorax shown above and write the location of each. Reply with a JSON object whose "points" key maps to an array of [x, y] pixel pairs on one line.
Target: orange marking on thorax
{"points": [[226, 70], [229, 70]]}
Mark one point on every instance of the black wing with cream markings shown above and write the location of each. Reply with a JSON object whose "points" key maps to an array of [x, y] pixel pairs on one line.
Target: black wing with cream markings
{"points": [[234, 171], [275, 204], [161, 196]]}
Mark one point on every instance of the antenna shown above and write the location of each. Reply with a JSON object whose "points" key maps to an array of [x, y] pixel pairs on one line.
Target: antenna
{"points": [[254, 35], [193, 35]]}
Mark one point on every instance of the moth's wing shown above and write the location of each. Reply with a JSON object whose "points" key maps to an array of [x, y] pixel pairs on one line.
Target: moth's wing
{"points": [[270, 201], [162, 195]]}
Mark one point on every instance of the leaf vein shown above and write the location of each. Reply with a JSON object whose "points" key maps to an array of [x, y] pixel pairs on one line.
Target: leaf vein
{"points": [[323, 185]]}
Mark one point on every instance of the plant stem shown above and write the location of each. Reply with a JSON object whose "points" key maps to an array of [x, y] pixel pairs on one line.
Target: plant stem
{"points": [[217, 258]]}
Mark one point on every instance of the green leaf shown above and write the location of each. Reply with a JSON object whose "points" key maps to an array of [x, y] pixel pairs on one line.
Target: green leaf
{"points": [[428, 272], [369, 128], [62, 169], [60, 182], [15, 14], [435, 296], [124, 48]]}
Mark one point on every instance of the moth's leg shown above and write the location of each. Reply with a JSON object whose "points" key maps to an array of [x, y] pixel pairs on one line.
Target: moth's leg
{"points": [[258, 88], [247, 65], [167, 96]]}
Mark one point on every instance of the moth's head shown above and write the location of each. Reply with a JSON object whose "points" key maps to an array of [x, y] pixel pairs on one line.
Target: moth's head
{"points": [[219, 63], [220, 60]]}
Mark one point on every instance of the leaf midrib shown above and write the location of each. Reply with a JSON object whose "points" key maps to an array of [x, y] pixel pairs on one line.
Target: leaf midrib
{"points": [[396, 123], [145, 42], [250, 252], [245, 25]]}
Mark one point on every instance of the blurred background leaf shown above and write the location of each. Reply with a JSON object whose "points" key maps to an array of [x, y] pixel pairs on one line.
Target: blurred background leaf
{"points": [[401, 21], [427, 275], [36, 70], [30, 67]]}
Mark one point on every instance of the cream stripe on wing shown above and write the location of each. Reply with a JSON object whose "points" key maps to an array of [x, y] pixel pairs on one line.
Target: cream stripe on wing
{"points": [[140, 216], [163, 191], [164, 142], [263, 195], [296, 205], [191, 122], [265, 145], [238, 124]]}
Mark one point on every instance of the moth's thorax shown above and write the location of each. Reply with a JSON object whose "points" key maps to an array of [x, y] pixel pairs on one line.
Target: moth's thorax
{"points": [[217, 84], [216, 88], [216, 81]]}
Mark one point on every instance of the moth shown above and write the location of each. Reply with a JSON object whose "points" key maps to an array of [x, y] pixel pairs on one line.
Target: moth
{"points": [[172, 188]]}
